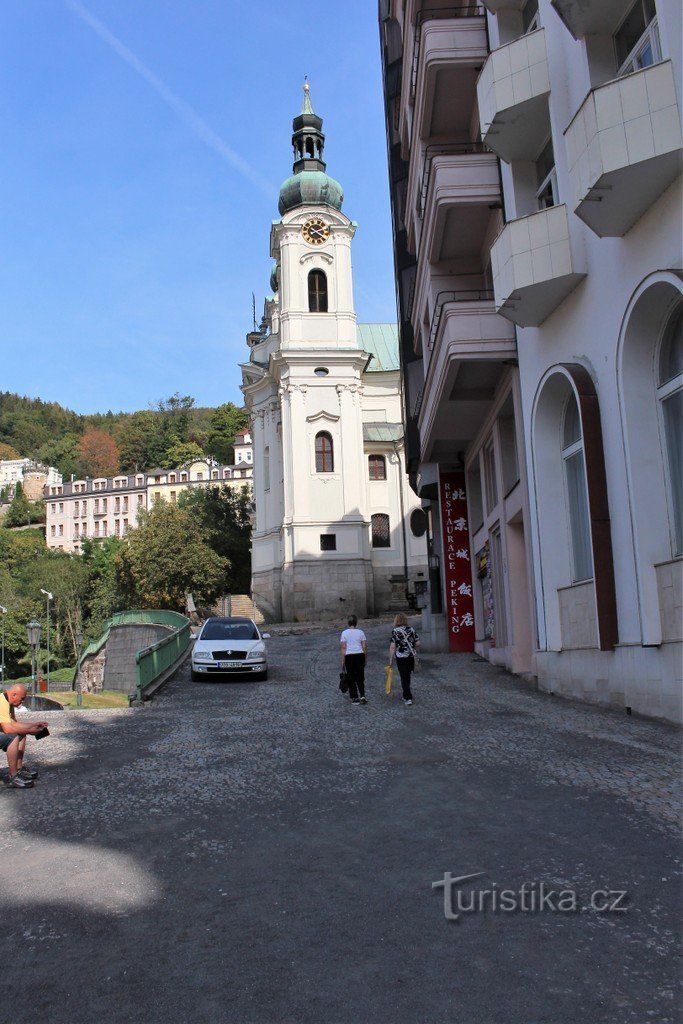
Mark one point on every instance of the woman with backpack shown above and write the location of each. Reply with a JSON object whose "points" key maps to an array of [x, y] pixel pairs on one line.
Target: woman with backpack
{"points": [[403, 646]]}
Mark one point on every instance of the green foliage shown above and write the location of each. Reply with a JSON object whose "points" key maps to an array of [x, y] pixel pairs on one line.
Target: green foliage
{"points": [[181, 452], [48, 433], [222, 516], [23, 512], [8, 453], [165, 558], [226, 421]]}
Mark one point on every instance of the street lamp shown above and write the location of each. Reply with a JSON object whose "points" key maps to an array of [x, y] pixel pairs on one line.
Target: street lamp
{"points": [[33, 630], [48, 598], [3, 612], [79, 687]]}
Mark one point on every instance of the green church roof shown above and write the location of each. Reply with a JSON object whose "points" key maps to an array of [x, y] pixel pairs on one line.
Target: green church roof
{"points": [[381, 341]]}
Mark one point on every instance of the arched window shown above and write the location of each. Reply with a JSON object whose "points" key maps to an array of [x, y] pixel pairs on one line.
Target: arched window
{"points": [[670, 398], [377, 467], [381, 534], [324, 453], [317, 292], [577, 495]]}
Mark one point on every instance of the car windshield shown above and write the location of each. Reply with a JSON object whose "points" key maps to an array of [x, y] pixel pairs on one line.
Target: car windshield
{"points": [[229, 631]]}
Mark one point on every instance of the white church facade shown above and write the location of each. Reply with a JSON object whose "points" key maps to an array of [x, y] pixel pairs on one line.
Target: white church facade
{"points": [[337, 529]]}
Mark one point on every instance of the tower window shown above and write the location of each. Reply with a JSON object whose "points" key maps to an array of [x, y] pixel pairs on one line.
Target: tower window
{"points": [[324, 453], [377, 467], [381, 536], [317, 292]]}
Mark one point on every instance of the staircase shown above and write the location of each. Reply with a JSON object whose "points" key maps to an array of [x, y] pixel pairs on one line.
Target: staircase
{"points": [[242, 604]]}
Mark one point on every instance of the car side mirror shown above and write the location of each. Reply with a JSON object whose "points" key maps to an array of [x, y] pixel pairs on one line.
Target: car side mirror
{"points": [[265, 636]]}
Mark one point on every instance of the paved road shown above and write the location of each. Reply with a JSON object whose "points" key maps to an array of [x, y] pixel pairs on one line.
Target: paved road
{"points": [[264, 853]]}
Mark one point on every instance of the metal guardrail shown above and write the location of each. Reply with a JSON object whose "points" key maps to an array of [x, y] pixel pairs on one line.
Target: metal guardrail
{"points": [[151, 661], [461, 10], [444, 298], [154, 660], [444, 149]]}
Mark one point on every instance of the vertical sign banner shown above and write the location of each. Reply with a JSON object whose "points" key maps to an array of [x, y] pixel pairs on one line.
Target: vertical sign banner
{"points": [[456, 562]]}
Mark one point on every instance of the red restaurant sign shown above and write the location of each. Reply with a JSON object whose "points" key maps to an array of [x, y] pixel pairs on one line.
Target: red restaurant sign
{"points": [[457, 568]]}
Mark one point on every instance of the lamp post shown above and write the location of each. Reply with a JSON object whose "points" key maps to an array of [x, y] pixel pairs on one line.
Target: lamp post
{"points": [[79, 688], [33, 630], [3, 612], [48, 598]]}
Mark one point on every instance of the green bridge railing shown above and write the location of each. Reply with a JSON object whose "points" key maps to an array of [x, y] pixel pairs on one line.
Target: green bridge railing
{"points": [[154, 660]]}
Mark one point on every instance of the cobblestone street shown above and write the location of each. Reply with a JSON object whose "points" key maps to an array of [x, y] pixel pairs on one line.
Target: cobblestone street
{"points": [[264, 853]]}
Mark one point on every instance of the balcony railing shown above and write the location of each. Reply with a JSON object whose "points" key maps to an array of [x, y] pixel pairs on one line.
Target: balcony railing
{"points": [[624, 148], [473, 10], [459, 295], [444, 149]]}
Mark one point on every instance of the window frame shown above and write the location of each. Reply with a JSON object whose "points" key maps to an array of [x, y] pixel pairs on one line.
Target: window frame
{"points": [[664, 391], [377, 459], [321, 455], [318, 298], [377, 539], [649, 39], [569, 452]]}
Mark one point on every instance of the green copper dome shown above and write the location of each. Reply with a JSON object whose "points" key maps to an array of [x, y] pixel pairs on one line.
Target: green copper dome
{"points": [[309, 184], [310, 187]]}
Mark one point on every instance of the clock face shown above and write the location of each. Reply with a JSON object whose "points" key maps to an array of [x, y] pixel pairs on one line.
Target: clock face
{"points": [[315, 231]]}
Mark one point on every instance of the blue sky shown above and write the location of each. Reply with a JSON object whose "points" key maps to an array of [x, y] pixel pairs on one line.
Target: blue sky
{"points": [[143, 146]]}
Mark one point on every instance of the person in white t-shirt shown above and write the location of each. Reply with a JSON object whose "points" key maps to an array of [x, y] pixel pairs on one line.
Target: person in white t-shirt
{"points": [[354, 647]]}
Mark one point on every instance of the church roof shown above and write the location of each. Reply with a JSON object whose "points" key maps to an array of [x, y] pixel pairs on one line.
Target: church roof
{"points": [[381, 340]]}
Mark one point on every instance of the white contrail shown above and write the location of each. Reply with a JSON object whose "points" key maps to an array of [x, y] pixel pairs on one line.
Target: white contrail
{"points": [[181, 108]]}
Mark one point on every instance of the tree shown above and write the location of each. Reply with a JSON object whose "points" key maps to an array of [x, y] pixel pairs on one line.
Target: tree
{"points": [[23, 512], [164, 558], [98, 453], [181, 452], [141, 441], [226, 421], [223, 518], [8, 452], [62, 453]]}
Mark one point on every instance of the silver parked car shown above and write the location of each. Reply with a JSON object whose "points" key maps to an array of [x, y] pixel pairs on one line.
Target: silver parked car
{"points": [[230, 646]]}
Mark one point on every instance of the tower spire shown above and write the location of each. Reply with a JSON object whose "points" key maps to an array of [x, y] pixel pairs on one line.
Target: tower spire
{"points": [[308, 140]]}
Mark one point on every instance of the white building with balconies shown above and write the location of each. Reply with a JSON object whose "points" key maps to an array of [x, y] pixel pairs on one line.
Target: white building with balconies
{"points": [[581, 104]]}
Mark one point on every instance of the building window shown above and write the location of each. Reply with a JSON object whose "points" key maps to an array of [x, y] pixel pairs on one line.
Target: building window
{"points": [[546, 178], [328, 541], [75, 531], [53, 531], [637, 41], [174, 497], [96, 509], [105, 530], [324, 453], [530, 19], [266, 468], [183, 478], [157, 497], [141, 499], [317, 292], [60, 532], [104, 504], [577, 492], [381, 534], [377, 467], [117, 527], [670, 398], [200, 476], [61, 506], [117, 505], [171, 478], [125, 504]]}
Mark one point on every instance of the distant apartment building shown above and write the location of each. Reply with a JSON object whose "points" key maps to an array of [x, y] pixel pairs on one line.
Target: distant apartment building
{"points": [[535, 155], [109, 506], [33, 476]]}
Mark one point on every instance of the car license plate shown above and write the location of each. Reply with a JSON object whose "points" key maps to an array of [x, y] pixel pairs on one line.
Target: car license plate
{"points": [[229, 664]]}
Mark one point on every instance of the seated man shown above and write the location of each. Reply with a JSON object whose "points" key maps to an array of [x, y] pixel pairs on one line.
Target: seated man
{"points": [[13, 736]]}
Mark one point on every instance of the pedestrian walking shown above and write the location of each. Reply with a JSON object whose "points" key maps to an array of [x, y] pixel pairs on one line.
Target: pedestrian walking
{"points": [[403, 647], [354, 647]]}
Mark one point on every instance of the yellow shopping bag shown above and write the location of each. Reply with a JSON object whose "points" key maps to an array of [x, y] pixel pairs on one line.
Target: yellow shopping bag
{"points": [[389, 673]]}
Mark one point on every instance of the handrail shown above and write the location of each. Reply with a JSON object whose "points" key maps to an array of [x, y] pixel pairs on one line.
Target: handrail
{"points": [[153, 661], [444, 149], [472, 10], [160, 617], [461, 295]]}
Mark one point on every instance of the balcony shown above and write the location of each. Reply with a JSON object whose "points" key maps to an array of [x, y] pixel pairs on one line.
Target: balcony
{"points": [[470, 346], [589, 17], [533, 268], [459, 187], [449, 50], [513, 91], [624, 148]]}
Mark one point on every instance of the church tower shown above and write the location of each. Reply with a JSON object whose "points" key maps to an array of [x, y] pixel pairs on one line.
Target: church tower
{"points": [[311, 539], [312, 542]]}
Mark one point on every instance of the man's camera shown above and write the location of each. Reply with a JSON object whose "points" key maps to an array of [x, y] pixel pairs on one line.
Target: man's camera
{"points": [[42, 734]]}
